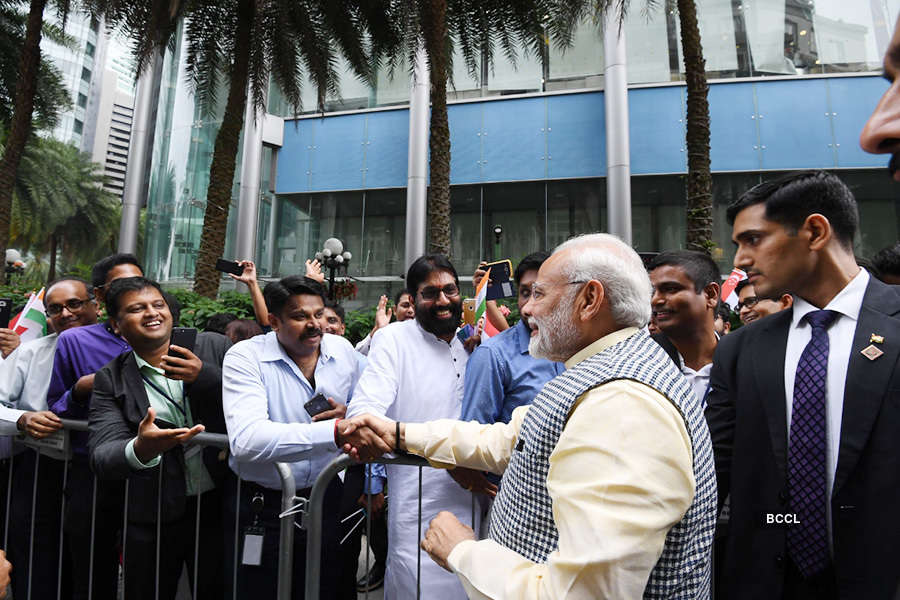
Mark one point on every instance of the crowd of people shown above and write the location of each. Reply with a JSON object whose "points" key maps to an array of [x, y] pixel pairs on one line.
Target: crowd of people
{"points": [[623, 432]]}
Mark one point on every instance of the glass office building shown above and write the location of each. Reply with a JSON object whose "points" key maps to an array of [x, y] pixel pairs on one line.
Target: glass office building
{"points": [[791, 84]]}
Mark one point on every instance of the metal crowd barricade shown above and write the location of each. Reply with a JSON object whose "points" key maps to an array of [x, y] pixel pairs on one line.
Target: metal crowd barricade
{"points": [[312, 516], [58, 447]]}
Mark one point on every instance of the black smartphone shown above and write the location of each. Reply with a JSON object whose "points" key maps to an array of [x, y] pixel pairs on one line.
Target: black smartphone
{"points": [[163, 424], [318, 404], [5, 311], [229, 266], [500, 285], [185, 337]]}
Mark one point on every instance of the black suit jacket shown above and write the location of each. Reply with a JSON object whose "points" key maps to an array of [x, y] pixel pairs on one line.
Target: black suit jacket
{"points": [[118, 404], [747, 419]]}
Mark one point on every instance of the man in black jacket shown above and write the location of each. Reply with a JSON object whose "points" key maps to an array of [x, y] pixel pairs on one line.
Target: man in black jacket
{"points": [[145, 408], [804, 406]]}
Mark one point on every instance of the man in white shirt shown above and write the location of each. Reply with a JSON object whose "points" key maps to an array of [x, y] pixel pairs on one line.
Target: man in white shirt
{"points": [[804, 406], [608, 487], [24, 379], [415, 373], [685, 297], [266, 381]]}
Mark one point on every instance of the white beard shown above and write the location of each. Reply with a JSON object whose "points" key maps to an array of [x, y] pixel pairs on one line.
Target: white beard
{"points": [[555, 334]]}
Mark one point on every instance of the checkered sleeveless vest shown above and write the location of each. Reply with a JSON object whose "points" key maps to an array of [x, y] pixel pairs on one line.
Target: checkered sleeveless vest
{"points": [[522, 517]]}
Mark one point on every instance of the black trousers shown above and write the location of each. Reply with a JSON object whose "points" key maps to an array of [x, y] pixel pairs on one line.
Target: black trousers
{"points": [[177, 549], [35, 508], [93, 526], [352, 530], [262, 581]]}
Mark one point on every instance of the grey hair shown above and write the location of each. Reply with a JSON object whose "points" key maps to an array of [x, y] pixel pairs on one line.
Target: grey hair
{"points": [[618, 267]]}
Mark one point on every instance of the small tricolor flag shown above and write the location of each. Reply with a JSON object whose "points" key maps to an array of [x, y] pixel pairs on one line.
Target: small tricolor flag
{"points": [[481, 297], [729, 293], [31, 323]]}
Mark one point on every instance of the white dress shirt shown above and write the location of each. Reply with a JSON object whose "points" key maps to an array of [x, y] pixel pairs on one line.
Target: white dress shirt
{"points": [[413, 376], [263, 393], [840, 340], [24, 379], [621, 476]]}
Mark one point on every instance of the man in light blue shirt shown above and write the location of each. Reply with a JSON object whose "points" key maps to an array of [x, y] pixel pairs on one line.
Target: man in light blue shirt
{"points": [[266, 381]]}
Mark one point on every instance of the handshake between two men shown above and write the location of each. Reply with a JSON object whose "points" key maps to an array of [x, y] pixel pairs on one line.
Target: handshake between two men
{"points": [[367, 437]]}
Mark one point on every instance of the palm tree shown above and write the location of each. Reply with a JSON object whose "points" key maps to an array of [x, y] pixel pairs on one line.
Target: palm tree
{"points": [[27, 85], [699, 181], [241, 44], [68, 215], [477, 28]]}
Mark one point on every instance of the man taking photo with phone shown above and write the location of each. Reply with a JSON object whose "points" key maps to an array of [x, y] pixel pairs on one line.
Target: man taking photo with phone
{"points": [[142, 415]]}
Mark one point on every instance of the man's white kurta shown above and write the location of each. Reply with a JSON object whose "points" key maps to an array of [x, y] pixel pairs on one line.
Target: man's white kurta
{"points": [[413, 376]]}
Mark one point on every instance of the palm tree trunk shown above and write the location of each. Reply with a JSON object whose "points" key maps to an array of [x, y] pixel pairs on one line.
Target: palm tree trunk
{"points": [[221, 171], [20, 127], [51, 273], [699, 180], [435, 30]]}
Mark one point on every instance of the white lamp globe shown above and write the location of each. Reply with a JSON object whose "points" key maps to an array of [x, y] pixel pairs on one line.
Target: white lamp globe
{"points": [[347, 256], [338, 259], [334, 245], [326, 253]]}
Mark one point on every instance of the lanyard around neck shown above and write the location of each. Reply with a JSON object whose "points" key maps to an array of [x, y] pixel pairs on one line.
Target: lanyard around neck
{"points": [[165, 395]]}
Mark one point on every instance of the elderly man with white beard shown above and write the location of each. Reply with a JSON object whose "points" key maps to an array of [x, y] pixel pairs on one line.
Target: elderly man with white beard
{"points": [[608, 486]]}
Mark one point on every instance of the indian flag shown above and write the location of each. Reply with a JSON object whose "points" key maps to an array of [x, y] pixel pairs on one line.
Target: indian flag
{"points": [[481, 296], [31, 323], [729, 295]]}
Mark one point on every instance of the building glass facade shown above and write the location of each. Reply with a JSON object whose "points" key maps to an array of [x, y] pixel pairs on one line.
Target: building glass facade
{"points": [[792, 82]]}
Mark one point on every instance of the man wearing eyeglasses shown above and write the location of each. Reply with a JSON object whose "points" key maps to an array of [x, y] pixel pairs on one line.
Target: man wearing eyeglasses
{"points": [[416, 373], [23, 408], [751, 307]]}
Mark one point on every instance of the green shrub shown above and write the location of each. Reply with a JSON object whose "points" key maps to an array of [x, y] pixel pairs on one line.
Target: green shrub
{"points": [[196, 309]]}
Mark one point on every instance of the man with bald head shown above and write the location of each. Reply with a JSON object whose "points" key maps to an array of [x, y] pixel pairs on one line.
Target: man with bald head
{"points": [[608, 487]]}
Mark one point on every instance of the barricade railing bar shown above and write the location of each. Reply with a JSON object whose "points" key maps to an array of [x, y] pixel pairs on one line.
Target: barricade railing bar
{"points": [[313, 513], [58, 447]]}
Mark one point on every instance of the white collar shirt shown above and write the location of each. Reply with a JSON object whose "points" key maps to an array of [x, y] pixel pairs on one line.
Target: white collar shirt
{"points": [[848, 303], [24, 379], [263, 393]]}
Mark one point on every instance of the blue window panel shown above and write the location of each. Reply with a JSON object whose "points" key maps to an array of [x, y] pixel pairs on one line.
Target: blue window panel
{"points": [[514, 140], [293, 158], [576, 136], [656, 123], [852, 101], [387, 145], [465, 142], [794, 131], [337, 158], [732, 128]]}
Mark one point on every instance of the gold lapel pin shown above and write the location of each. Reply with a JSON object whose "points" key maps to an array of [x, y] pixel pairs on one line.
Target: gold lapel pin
{"points": [[876, 339], [871, 352]]}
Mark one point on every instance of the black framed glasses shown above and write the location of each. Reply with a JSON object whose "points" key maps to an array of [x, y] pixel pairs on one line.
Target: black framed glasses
{"points": [[74, 305], [749, 302], [451, 290]]}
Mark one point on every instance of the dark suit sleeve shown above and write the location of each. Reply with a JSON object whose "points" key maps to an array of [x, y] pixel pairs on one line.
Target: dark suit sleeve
{"points": [[109, 431], [720, 409], [206, 392]]}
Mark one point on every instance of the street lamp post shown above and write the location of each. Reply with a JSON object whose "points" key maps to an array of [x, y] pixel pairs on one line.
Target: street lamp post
{"points": [[333, 257]]}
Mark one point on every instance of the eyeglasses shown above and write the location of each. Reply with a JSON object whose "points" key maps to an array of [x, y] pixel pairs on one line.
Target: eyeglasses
{"points": [[431, 293], [74, 305], [538, 290], [749, 302]]}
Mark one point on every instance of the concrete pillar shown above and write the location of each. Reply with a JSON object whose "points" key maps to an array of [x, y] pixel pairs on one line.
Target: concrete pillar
{"points": [[248, 200], [140, 153], [618, 161], [417, 169]]}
